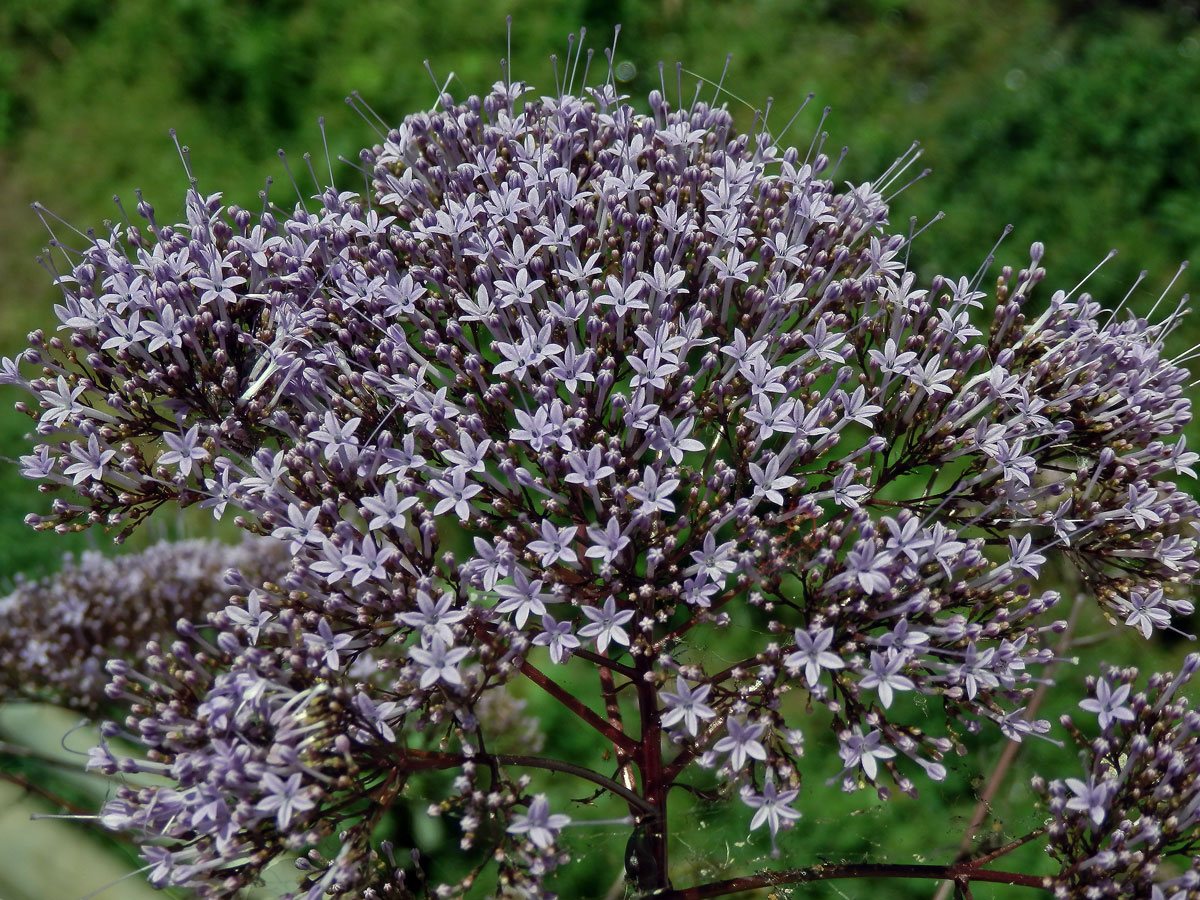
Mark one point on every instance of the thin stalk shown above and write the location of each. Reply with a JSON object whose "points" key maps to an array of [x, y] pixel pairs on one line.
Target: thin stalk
{"points": [[623, 741], [613, 710], [963, 873], [428, 759]]}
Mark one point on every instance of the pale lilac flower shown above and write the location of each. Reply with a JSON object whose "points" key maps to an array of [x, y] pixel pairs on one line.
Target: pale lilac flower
{"points": [[653, 494], [716, 562], [185, 450], [557, 638], [91, 460], [975, 671], [556, 544], [388, 509], [1023, 557], [605, 626], [439, 662], [523, 597], [812, 652], [539, 823], [371, 561], [328, 643], [456, 493], [857, 750], [692, 354], [302, 529], [768, 482], [284, 798], [623, 298], [607, 542], [771, 808], [1108, 704], [434, 618], [1145, 611], [687, 705], [377, 714], [884, 675], [253, 618], [490, 563], [741, 742], [674, 441], [587, 469], [1090, 798]]}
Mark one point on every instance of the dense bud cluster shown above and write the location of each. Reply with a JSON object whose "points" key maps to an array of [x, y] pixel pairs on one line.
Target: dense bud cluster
{"points": [[672, 382], [1116, 830]]}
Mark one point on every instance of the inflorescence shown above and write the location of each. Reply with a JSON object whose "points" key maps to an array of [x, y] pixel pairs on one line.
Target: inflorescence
{"points": [[671, 381]]}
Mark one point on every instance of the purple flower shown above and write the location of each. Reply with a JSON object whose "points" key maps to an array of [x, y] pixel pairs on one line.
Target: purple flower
{"points": [[1145, 611], [715, 562], [328, 644], [456, 494], [1090, 798], [539, 823], [768, 482], [1023, 557], [812, 652], [674, 441], [1108, 704], [857, 750], [61, 401], [605, 625], [587, 470], [523, 597], [884, 675], [376, 714], [653, 494], [91, 461], [687, 705], [434, 619], [253, 618], [555, 545], [553, 323], [557, 637], [623, 298], [741, 743], [388, 509], [439, 662], [284, 798], [607, 542], [772, 807]]}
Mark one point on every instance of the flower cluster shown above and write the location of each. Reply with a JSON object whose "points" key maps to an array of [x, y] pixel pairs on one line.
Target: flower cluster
{"points": [[669, 380], [57, 633], [1128, 827]]}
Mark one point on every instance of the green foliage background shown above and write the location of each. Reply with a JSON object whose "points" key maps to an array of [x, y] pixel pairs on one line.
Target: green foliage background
{"points": [[1076, 121]]}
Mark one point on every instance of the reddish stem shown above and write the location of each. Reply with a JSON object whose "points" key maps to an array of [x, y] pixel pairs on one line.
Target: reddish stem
{"points": [[650, 762], [613, 710], [623, 742]]}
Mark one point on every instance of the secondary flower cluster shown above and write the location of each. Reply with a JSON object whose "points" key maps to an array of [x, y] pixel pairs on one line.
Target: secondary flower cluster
{"points": [[669, 379], [1116, 830], [57, 633]]}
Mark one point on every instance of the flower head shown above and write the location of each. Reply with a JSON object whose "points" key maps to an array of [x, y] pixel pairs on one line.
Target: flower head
{"points": [[561, 324]]}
